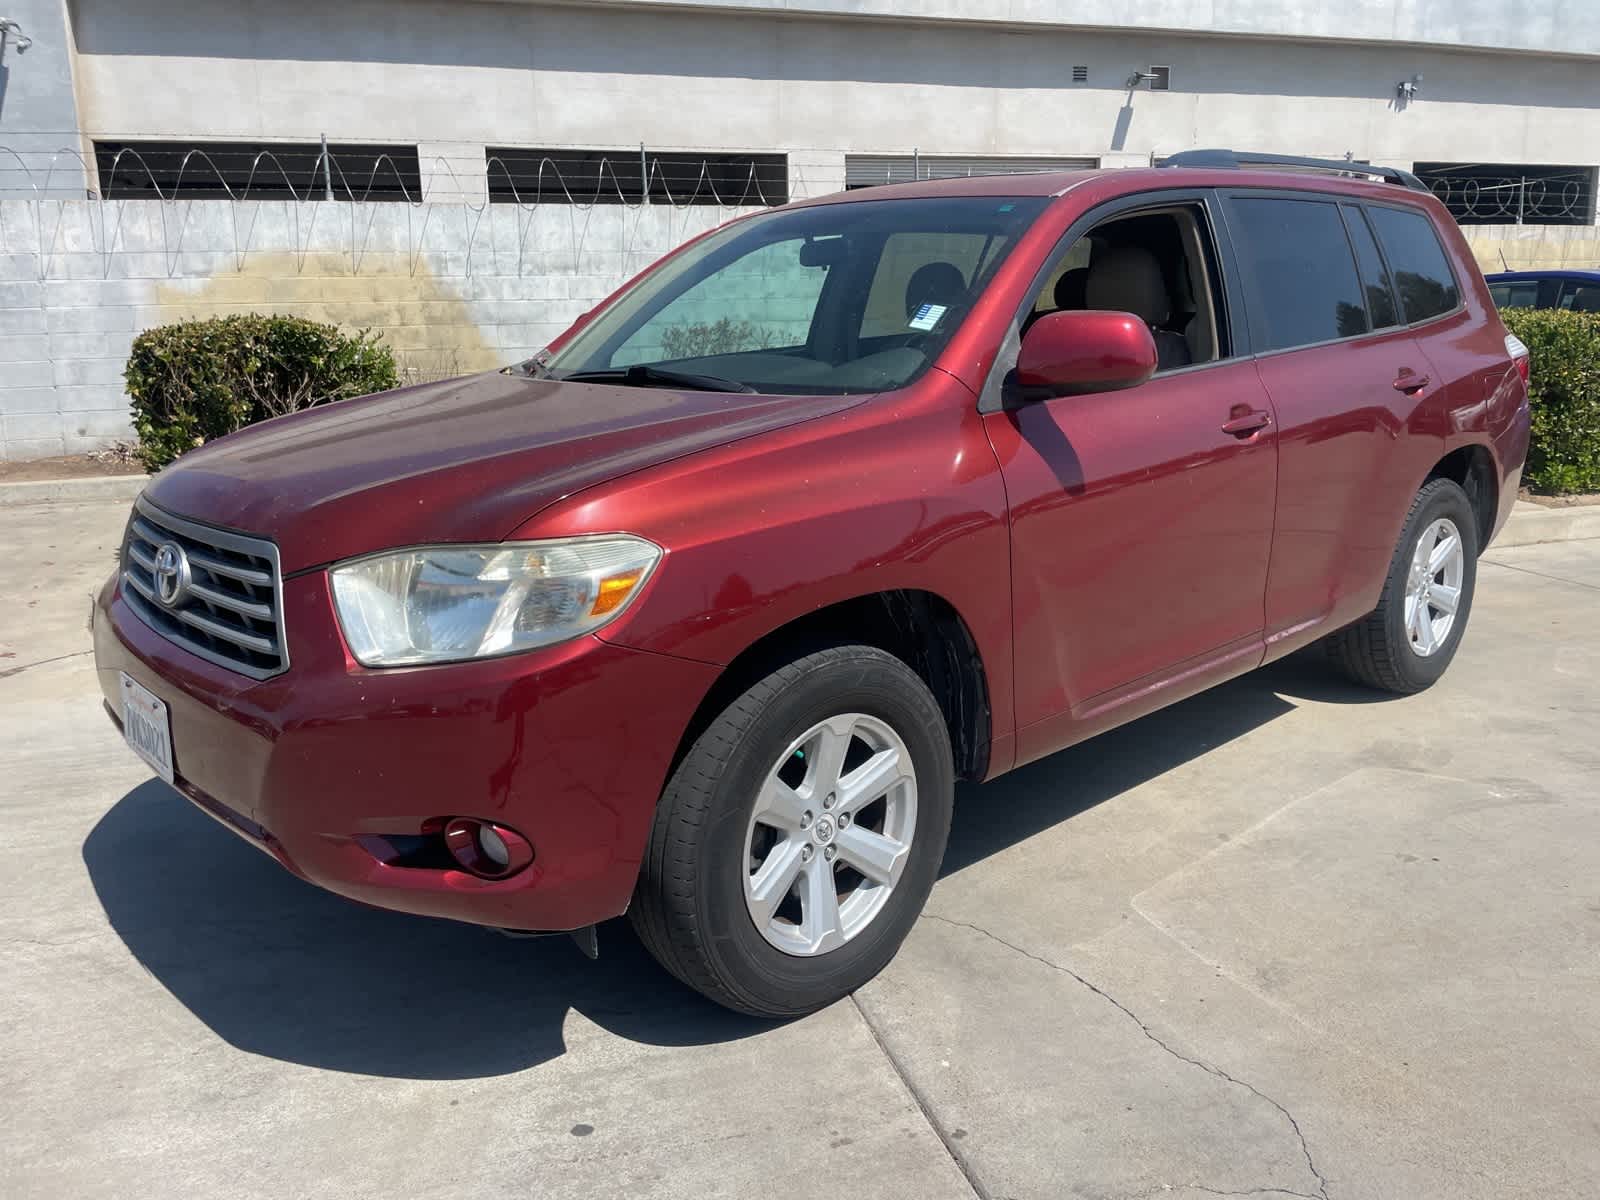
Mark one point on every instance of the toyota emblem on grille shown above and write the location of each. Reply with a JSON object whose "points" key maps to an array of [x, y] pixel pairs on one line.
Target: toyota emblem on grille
{"points": [[172, 574]]}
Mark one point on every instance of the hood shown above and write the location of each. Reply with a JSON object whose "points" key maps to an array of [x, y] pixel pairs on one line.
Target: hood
{"points": [[462, 461]]}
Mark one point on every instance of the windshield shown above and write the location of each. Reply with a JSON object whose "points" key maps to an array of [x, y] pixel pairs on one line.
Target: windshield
{"points": [[839, 298]]}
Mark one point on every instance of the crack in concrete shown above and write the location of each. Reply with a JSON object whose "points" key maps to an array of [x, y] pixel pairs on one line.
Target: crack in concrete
{"points": [[1209, 1068], [1542, 574], [922, 1104], [10, 671]]}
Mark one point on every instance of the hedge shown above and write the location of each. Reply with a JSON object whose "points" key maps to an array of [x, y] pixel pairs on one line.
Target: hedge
{"points": [[1564, 351], [198, 380]]}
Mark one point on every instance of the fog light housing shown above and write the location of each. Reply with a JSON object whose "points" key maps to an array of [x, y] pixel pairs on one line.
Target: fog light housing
{"points": [[486, 849]]}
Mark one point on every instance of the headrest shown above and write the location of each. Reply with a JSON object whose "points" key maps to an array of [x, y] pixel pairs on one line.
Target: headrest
{"points": [[1128, 279]]}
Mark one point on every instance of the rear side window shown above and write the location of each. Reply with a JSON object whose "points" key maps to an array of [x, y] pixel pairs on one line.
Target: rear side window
{"points": [[1580, 297], [1300, 277], [1514, 295], [1381, 310], [1421, 271]]}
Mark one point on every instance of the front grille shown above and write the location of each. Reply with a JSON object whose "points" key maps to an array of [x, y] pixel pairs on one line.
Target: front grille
{"points": [[230, 608]]}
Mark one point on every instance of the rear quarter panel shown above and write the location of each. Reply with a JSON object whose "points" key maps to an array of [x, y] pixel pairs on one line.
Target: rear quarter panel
{"points": [[1484, 401]]}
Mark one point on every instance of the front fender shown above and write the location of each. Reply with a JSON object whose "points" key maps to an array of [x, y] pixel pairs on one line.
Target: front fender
{"points": [[900, 493]]}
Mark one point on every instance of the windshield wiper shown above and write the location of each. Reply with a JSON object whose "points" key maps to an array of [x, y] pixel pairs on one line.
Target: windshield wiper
{"points": [[644, 375]]}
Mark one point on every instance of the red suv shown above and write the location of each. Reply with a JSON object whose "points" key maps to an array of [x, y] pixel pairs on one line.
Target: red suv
{"points": [[700, 615]]}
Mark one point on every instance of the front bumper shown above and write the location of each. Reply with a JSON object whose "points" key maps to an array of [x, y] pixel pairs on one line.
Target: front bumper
{"points": [[570, 745]]}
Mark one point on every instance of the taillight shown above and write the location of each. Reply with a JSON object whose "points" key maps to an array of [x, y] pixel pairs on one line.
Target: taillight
{"points": [[1519, 355]]}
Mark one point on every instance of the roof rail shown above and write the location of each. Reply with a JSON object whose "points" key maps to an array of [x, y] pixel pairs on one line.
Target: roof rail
{"points": [[1233, 160]]}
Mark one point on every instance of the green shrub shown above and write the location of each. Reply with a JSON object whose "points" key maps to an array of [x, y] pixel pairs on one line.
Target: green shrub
{"points": [[1564, 348], [198, 380]]}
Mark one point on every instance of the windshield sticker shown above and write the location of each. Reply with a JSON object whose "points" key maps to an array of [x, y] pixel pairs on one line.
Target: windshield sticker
{"points": [[927, 316]]}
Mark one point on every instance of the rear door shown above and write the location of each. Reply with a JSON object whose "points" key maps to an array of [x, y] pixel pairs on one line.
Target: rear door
{"points": [[1348, 383]]}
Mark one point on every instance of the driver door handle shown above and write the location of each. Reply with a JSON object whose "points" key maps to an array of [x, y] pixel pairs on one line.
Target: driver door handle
{"points": [[1245, 424], [1410, 383]]}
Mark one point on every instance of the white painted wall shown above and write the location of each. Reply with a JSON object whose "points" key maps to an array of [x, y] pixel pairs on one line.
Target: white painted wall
{"points": [[1540, 26], [456, 76]]}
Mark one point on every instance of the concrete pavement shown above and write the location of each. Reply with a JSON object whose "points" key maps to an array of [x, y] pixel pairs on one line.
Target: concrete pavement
{"points": [[1286, 939]]}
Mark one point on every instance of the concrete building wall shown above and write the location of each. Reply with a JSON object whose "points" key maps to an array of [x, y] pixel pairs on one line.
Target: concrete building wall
{"points": [[1537, 26], [39, 141], [455, 76]]}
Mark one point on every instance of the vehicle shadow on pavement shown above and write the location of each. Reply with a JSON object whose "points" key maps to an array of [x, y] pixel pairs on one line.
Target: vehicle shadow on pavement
{"points": [[990, 817], [280, 968]]}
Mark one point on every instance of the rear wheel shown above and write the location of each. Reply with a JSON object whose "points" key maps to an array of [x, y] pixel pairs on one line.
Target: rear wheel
{"points": [[1405, 644], [798, 840]]}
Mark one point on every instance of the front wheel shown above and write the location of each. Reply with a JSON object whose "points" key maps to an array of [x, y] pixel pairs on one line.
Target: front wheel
{"points": [[799, 837], [1405, 644]]}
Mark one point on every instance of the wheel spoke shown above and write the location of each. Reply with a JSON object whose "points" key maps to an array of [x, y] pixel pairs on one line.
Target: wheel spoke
{"points": [[779, 805], [820, 923], [1424, 629], [870, 780], [1443, 553], [1424, 550], [1445, 599], [827, 751], [877, 857], [769, 885]]}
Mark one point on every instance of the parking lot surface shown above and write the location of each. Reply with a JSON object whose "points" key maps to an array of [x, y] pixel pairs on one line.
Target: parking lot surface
{"points": [[1287, 938]]}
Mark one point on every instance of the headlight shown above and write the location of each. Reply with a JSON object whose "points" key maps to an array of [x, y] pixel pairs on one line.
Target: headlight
{"points": [[449, 603]]}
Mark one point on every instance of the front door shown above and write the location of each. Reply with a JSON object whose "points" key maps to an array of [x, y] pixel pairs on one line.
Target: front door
{"points": [[1141, 531]]}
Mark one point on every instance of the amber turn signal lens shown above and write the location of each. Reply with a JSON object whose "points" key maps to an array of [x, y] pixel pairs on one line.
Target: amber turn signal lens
{"points": [[614, 591]]}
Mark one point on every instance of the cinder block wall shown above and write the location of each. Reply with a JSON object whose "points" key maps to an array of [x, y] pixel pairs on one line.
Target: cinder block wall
{"points": [[453, 288]]}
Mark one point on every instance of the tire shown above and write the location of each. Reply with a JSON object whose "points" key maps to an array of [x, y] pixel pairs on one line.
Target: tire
{"points": [[695, 903], [1387, 649]]}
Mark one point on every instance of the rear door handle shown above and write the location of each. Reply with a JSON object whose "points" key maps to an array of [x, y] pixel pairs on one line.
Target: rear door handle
{"points": [[1247, 423], [1410, 382]]}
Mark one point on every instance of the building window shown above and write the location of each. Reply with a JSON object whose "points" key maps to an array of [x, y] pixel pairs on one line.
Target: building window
{"points": [[872, 170], [256, 171], [1512, 193], [563, 176]]}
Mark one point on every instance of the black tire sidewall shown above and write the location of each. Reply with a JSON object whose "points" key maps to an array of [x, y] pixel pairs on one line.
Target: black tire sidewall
{"points": [[856, 679], [1441, 498]]}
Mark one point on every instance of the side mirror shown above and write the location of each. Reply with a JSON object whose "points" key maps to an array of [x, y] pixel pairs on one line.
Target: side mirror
{"points": [[1072, 353]]}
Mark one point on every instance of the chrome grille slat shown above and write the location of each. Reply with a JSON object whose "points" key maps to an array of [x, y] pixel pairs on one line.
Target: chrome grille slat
{"points": [[245, 574], [231, 612], [261, 612]]}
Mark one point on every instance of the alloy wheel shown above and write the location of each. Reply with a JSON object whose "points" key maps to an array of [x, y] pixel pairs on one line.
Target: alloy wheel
{"points": [[830, 835]]}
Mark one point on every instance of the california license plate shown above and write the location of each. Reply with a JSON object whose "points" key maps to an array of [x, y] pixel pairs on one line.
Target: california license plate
{"points": [[145, 725]]}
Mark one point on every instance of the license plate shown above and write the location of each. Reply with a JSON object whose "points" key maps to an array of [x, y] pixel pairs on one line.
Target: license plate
{"points": [[145, 725]]}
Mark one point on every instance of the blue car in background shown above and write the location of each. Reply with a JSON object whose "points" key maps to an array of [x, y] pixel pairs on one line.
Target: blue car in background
{"points": [[1569, 288]]}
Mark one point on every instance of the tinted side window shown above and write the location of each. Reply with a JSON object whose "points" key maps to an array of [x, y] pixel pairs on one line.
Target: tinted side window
{"points": [[1515, 295], [1298, 271], [1381, 310], [1421, 271], [1580, 297]]}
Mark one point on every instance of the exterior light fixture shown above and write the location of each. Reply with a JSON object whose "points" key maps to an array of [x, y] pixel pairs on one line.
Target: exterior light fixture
{"points": [[1406, 90], [10, 29], [1159, 78]]}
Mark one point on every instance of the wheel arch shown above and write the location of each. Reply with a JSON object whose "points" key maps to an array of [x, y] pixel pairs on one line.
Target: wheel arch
{"points": [[921, 628], [1472, 467]]}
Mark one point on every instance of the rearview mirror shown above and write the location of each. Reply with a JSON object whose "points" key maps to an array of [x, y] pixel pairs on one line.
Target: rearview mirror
{"points": [[1073, 353]]}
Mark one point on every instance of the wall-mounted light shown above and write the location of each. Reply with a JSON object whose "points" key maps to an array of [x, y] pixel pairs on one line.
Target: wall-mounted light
{"points": [[1406, 90], [10, 29], [1159, 78]]}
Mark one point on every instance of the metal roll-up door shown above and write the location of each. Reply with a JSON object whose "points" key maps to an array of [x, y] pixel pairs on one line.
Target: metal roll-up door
{"points": [[872, 170]]}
